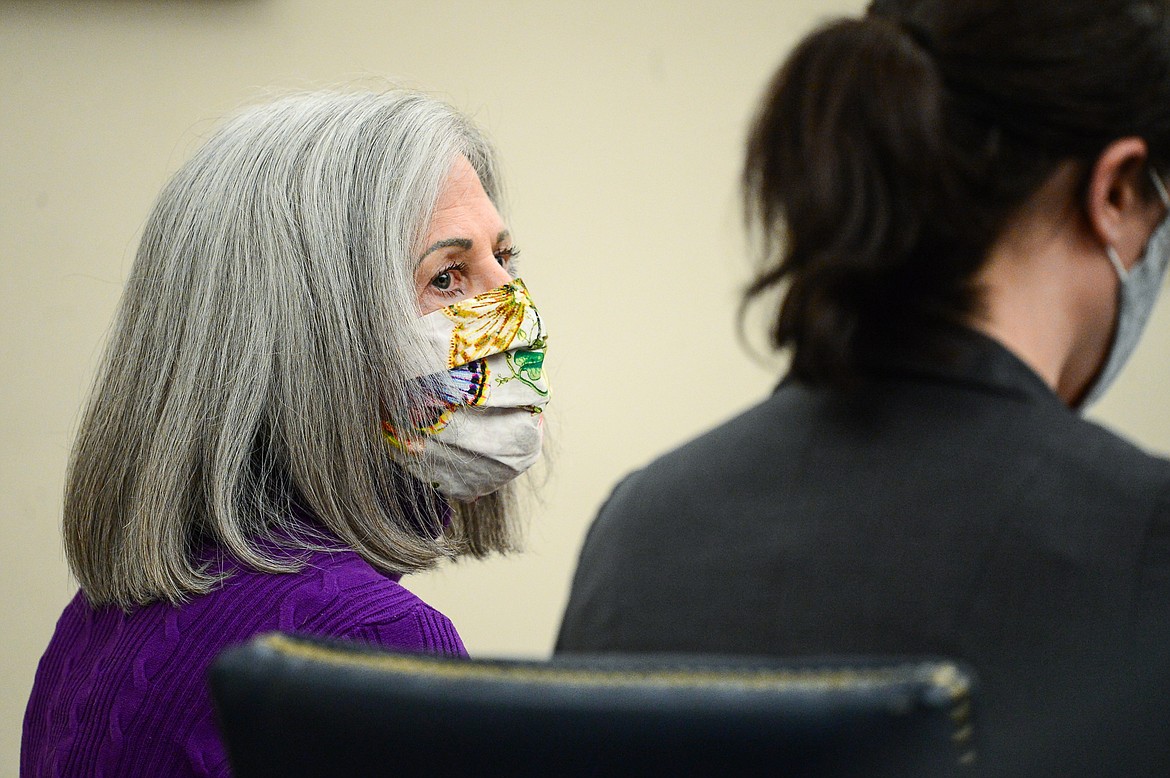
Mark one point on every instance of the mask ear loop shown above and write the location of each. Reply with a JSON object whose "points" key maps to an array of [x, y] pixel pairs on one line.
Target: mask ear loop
{"points": [[1159, 185], [1164, 196], [1111, 252]]}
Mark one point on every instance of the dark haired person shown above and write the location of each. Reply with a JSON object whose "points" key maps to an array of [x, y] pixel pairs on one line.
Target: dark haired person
{"points": [[965, 203]]}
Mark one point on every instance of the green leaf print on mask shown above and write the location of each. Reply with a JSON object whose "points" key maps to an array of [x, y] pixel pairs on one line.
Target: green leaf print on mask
{"points": [[526, 366], [530, 363]]}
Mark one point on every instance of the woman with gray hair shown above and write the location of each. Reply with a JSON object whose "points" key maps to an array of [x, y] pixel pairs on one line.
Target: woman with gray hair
{"points": [[324, 374]]}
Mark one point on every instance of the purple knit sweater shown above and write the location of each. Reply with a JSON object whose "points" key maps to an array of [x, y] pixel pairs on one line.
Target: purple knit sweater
{"points": [[121, 694]]}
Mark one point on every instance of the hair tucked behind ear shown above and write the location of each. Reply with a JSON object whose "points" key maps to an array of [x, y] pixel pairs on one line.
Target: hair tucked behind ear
{"points": [[891, 151]]}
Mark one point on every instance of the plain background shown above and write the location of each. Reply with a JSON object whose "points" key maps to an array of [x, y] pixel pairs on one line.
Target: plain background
{"points": [[620, 126]]}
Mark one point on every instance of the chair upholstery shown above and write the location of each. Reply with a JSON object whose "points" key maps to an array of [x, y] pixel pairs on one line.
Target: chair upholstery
{"points": [[290, 706]]}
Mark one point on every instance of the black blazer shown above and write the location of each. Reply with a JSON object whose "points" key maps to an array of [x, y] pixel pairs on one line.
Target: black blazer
{"points": [[959, 510]]}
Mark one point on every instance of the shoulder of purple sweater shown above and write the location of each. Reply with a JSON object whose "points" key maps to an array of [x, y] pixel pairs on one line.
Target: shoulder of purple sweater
{"points": [[337, 594], [118, 689]]}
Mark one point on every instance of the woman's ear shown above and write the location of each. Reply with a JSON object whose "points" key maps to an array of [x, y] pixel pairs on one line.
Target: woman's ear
{"points": [[1119, 212]]}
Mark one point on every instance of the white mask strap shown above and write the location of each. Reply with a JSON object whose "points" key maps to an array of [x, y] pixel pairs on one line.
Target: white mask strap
{"points": [[1161, 187], [1111, 252]]}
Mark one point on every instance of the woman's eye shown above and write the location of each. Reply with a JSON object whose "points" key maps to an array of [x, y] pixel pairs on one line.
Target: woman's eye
{"points": [[504, 256], [449, 281]]}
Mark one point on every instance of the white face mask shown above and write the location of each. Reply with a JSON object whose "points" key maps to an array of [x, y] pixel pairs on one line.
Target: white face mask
{"points": [[1136, 296], [483, 426]]}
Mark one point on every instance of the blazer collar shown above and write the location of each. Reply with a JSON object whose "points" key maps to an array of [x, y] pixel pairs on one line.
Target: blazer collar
{"points": [[973, 359]]}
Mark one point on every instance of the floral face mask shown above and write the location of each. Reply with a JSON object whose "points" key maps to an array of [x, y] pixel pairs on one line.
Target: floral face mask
{"points": [[481, 423]]}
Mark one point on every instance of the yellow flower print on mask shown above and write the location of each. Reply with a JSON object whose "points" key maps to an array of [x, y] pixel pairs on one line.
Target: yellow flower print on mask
{"points": [[488, 323]]}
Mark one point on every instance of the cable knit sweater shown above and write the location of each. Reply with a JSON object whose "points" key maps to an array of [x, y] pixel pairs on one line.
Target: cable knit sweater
{"points": [[120, 694]]}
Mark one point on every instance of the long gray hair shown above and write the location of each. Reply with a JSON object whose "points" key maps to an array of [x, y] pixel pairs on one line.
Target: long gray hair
{"points": [[268, 328]]}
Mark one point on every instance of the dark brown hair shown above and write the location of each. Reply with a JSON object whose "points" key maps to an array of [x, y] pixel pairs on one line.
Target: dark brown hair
{"points": [[891, 151]]}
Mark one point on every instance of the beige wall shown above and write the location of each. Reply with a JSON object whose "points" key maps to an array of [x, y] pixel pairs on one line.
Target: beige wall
{"points": [[620, 125]]}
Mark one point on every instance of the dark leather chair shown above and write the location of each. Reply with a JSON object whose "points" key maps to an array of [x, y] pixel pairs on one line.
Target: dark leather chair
{"points": [[296, 707]]}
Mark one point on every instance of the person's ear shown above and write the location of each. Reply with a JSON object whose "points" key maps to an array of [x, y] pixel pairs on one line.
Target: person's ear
{"points": [[1116, 205]]}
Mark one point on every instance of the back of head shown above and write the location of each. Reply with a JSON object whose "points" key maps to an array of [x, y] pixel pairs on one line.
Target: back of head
{"points": [[892, 151], [267, 328]]}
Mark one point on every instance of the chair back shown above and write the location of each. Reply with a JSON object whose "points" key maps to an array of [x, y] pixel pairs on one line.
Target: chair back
{"points": [[299, 707]]}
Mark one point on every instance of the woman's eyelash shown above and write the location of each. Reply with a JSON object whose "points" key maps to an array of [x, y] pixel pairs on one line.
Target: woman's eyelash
{"points": [[509, 253]]}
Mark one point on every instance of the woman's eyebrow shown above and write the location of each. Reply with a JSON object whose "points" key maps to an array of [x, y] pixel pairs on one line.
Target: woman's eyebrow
{"points": [[463, 243]]}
